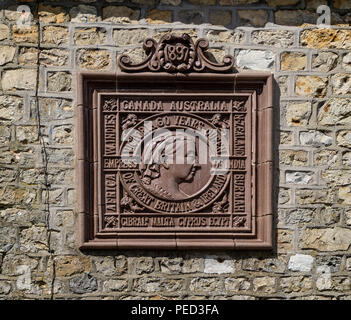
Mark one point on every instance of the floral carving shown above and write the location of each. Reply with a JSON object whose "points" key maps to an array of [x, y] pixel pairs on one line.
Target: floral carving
{"points": [[175, 53], [239, 221]]}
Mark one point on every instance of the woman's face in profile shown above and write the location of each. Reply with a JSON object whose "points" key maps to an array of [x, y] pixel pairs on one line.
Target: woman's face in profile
{"points": [[185, 171]]}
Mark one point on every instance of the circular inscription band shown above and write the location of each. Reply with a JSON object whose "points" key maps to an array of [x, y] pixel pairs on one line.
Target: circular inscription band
{"points": [[178, 161]]}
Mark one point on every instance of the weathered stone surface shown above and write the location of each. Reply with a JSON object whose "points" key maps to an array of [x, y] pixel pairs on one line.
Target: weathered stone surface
{"points": [[120, 14], [7, 54], [157, 285], [113, 285], [337, 177], [314, 4], [220, 17], [283, 86], [341, 84], [304, 196], [214, 264], [50, 14], [298, 113], [28, 56], [5, 287], [293, 61], [206, 285], [125, 37], [293, 157], [11, 109], [156, 16], [25, 35], [171, 265], [296, 284], [285, 240], [324, 278], [253, 18], [299, 177], [315, 138], [26, 134], [237, 284], [89, 36], [225, 36], [94, 59], [83, 284], [284, 196], [69, 265], [295, 17], [311, 86], [191, 16], [291, 217], [335, 111], [346, 62], [19, 79], [144, 265], [345, 194], [33, 240], [301, 262], [83, 13], [59, 81], [145, 2], [325, 157], [329, 262], [264, 285], [326, 38], [54, 57], [255, 59], [343, 138], [55, 109], [326, 239], [4, 31], [346, 159], [55, 35], [324, 61], [62, 134], [275, 38]]}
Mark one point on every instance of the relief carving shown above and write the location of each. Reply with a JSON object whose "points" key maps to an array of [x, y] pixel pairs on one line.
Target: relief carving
{"points": [[175, 53]]}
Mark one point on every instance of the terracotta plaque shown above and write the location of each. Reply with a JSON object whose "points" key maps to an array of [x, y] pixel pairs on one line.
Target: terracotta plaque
{"points": [[169, 159]]}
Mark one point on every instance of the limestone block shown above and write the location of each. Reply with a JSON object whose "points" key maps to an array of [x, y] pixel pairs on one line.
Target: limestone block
{"points": [[4, 32], [59, 81], [315, 138], [264, 285], [324, 61], [69, 265], [298, 113], [7, 54], [255, 59], [89, 36], [93, 59], [225, 36], [220, 17], [120, 14], [341, 84], [50, 14], [55, 35], [215, 265], [253, 18], [296, 284], [19, 79], [293, 61], [299, 177], [83, 284], [311, 86], [114, 285], [237, 284], [275, 38], [191, 16], [301, 262], [125, 37], [326, 38], [11, 109], [343, 138], [28, 56], [326, 239], [293, 157], [336, 111], [346, 62], [83, 13], [156, 16], [54, 57], [25, 35]]}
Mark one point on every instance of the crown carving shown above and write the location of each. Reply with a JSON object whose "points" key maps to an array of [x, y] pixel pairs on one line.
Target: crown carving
{"points": [[174, 53]]}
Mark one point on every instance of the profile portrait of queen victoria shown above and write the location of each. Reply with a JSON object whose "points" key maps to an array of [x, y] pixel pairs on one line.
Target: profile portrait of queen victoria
{"points": [[168, 161]]}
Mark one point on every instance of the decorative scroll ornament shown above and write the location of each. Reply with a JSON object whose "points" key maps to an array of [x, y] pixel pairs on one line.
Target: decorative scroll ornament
{"points": [[175, 53]]}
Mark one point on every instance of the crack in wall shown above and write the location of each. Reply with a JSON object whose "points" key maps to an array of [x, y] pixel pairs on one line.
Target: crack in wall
{"points": [[41, 139]]}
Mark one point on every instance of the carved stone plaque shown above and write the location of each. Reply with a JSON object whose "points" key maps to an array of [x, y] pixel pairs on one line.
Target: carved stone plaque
{"points": [[172, 158]]}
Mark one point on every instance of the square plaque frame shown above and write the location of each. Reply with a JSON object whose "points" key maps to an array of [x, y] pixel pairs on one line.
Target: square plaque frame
{"points": [[106, 227]]}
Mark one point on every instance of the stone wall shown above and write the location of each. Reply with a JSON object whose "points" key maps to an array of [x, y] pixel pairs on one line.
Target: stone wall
{"points": [[39, 257]]}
